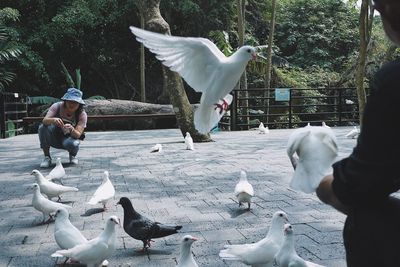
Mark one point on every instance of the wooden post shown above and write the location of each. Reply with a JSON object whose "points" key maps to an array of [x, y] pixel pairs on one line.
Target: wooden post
{"points": [[3, 116]]}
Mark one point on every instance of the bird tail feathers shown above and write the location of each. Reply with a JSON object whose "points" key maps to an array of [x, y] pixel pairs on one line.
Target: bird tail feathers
{"points": [[58, 254], [202, 118], [304, 180], [93, 201]]}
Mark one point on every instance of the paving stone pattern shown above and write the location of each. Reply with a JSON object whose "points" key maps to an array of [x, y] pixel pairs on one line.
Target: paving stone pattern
{"points": [[191, 188]]}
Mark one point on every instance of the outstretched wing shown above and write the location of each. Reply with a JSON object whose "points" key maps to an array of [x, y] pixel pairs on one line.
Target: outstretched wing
{"points": [[195, 59]]}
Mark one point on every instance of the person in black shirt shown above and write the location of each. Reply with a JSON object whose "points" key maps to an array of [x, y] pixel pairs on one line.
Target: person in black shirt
{"points": [[361, 185]]}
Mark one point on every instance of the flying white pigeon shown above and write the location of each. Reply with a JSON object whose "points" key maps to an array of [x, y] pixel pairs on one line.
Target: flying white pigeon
{"points": [[262, 129], [287, 255], [49, 188], [156, 148], [104, 192], [57, 173], [261, 253], [189, 141], [95, 251], [353, 134], [202, 65], [317, 149], [186, 258], [244, 190], [45, 206]]}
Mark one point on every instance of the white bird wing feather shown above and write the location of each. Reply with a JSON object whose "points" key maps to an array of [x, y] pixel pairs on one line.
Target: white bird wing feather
{"points": [[317, 150], [244, 187], [56, 173], [45, 205], [104, 192], [88, 252], [53, 189], [68, 237], [195, 59], [256, 254]]}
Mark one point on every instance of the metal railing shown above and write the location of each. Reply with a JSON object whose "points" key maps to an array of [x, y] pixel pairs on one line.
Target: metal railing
{"points": [[297, 107], [13, 107]]}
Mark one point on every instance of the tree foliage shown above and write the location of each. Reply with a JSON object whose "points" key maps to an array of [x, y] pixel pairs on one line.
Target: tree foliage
{"points": [[93, 36]]}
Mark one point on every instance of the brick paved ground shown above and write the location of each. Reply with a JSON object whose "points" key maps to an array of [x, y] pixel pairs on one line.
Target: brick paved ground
{"points": [[192, 188]]}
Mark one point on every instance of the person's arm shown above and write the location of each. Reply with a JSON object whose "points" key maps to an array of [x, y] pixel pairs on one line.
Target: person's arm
{"points": [[325, 194], [50, 117], [77, 131]]}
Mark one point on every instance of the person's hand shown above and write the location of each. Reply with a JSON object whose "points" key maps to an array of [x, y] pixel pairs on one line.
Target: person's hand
{"points": [[67, 128], [58, 122]]}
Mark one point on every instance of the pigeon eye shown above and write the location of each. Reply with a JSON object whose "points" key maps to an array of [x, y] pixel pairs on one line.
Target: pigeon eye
{"points": [[281, 215], [248, 50], [186, 239]]}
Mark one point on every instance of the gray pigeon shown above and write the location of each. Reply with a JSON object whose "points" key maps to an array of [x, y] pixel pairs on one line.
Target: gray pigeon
{"points": [[141, 228]]}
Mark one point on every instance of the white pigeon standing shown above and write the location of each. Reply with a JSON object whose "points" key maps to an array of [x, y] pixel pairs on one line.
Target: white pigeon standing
{"points": [[325, 125], [261, 253], [186, 258], [104, 192], [316, 149], [57, 173], [51, 189], [45, 206], [95, 251], [156, 148], [349, 102], [244, 190], [287, 255], [66, 234], [353, 133], [202, 65], [262, 129], [189, 141]]}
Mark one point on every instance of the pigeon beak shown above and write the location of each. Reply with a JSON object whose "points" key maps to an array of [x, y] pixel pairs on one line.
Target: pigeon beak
{"points": [[194, 238], [116, 204], [254, 56]]}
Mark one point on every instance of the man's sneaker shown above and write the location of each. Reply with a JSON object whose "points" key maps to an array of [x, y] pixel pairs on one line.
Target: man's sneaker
{"points": [[46, 162], [73, 159]]}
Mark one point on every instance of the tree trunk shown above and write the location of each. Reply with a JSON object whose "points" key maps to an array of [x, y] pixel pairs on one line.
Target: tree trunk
{"points": [[366, 17], [142, 66], [172, 81], [244, 104], [267, 79]]}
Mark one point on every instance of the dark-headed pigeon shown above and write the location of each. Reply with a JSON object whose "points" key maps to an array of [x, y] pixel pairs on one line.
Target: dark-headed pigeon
{"points": [[141, 228]]}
